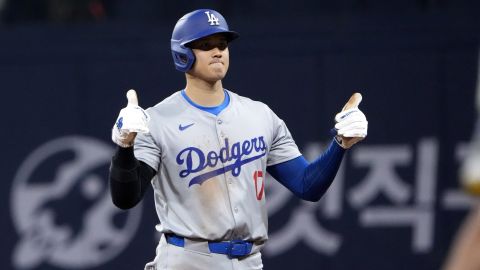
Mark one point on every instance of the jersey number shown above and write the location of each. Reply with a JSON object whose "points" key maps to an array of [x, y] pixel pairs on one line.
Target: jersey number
{"points": [[259, 184]]}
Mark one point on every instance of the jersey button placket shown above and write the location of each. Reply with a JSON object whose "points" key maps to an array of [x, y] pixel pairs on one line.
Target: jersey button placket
{"points": [[222, 136]]}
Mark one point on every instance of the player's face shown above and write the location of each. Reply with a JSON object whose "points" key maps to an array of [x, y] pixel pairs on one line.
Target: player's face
{"points": [[211, 58]]}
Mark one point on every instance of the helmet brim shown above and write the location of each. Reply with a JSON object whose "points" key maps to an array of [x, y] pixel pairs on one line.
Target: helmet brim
{"points": [[230, 35]]}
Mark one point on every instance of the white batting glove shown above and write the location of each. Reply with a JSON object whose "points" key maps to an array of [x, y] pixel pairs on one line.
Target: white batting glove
{"points": [[351, 124], [130, 120]]}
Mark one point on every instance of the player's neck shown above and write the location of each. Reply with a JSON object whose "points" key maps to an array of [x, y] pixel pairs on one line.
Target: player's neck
{"points": [[205, 93]]}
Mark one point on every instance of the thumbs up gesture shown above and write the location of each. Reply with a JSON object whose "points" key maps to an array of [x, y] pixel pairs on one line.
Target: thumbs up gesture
{"points": [[130, 120], [351, 124]]}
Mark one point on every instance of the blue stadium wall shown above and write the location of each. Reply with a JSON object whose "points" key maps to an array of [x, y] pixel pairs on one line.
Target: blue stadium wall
{"points": [[396, 202]]}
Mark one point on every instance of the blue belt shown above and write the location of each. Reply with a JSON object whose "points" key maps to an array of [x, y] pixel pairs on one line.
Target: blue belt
{"points": [[233, 249]]}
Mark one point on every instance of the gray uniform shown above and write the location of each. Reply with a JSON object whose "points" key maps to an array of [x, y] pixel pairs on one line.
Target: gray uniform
{"points": [[210, 180]]}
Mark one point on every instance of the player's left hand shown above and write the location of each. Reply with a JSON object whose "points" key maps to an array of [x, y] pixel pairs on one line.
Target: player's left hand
{"points": [[351, 124]]}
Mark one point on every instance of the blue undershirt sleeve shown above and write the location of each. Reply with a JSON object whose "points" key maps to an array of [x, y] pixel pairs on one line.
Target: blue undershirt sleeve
{"points": [[309, 181]]}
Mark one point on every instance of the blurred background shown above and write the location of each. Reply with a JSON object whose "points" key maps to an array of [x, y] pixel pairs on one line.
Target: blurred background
{"points": [[397, 202]]}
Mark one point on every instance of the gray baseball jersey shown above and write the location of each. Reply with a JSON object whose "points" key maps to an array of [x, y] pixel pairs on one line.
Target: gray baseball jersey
{"points": [[211, 169]]}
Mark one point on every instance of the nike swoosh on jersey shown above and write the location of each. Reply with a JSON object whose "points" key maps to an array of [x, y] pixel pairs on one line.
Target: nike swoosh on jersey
{"points": [[182, 128]]}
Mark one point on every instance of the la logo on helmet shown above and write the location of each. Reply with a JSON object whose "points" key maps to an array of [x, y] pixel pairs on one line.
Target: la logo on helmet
{"points": [[211, 18]]}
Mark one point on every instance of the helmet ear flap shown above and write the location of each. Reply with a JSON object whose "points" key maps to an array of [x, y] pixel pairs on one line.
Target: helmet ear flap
{"points": [[183, 57]]}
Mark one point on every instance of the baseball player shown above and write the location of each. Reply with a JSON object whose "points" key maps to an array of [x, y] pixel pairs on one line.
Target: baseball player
{"points": [[206, 150]]}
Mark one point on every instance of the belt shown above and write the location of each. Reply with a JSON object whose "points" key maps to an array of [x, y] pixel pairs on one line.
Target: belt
{"points": [[233, 249]]}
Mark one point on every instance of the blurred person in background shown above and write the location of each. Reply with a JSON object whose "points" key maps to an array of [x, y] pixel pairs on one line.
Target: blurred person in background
{"points": [[2, 7], [54, 10], [464, 253]]}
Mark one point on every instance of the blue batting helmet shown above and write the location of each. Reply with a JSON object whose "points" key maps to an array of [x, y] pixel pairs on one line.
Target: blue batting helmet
{"points": [[193, 26]]}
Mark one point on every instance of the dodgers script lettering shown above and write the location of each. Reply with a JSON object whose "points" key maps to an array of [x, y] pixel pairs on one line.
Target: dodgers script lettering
{"points": [[195, 160]]}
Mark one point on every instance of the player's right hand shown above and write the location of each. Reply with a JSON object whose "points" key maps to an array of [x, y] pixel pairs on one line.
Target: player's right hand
{"points": [[130, 120]]}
